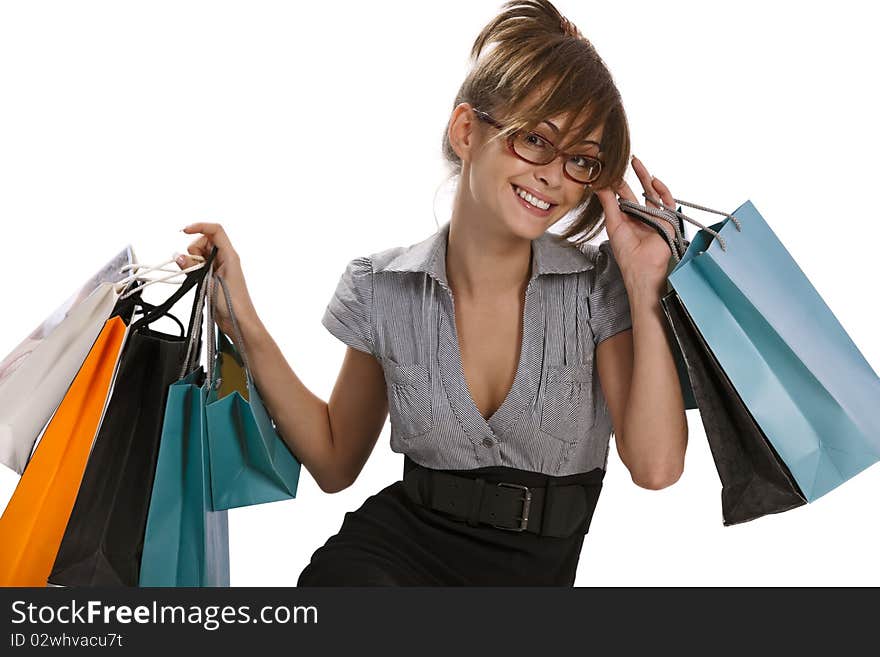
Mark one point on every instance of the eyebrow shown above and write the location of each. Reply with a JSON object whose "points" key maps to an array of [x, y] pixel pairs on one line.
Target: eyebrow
{"points": [[585, 141]]}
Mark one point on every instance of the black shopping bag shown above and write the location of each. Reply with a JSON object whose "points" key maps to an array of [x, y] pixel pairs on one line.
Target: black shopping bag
{"points": [[754, 480], [103, 541]]}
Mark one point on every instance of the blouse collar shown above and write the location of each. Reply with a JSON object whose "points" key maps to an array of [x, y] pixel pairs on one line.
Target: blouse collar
{"points": [[551, 254]]}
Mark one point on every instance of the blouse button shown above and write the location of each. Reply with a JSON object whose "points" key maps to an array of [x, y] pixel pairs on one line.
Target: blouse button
{"points": [[488, 442]]}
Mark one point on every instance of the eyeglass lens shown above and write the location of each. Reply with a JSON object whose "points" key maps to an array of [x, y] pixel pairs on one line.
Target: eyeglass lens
{"points": [[534, 148]]}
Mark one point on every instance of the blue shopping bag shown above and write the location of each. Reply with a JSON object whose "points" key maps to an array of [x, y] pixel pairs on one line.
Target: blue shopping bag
{"points": [[807, 385], [186, 543], [249, 462]]}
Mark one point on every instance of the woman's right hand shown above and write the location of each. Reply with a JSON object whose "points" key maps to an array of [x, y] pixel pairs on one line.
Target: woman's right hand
{"points": [[227, 265]]}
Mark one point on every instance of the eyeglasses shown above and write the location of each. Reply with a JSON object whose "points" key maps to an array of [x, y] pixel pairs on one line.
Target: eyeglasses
{"points": [[535, 149]]}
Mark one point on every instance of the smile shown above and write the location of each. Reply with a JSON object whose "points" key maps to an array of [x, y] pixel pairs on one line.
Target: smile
{"points": [[536, 206]]}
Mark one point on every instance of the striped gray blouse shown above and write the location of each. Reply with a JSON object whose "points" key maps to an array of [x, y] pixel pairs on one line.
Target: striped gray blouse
{"points": [[396, 305]]}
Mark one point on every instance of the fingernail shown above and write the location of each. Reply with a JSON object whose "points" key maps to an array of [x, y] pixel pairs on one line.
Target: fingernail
{"points": [[180, 260]]}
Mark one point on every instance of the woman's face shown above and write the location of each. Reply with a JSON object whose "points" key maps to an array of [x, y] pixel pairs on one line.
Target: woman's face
{"points": [[499, 180]]}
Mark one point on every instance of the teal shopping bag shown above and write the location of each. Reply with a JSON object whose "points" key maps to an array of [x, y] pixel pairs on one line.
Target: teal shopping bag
{"points": [[186, 543], [249, 462], [796, 369]]}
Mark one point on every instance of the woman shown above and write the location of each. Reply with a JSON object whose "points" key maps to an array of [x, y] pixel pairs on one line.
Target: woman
{"points": [[505, 354]]}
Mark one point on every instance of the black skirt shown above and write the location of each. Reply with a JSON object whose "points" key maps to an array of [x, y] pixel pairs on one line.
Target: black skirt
{"points": [[392, 540]]}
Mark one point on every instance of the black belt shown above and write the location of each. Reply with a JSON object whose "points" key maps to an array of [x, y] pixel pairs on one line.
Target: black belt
{"points": [[545, 510]]}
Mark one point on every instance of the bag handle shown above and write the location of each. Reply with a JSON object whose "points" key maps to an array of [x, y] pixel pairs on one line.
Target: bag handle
{"points": [[123, 283], [212, 328], [191, 359], [146, 306], [235, 327], [133, 304], [193, 278], [677, 244]]}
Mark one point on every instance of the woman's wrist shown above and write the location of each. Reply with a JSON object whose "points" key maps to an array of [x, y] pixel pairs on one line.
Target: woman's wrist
{"points": [[645, 293], [251, 326]]}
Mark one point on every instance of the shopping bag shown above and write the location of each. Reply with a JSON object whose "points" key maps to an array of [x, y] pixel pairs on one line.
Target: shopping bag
{"points": [[755, 482], [185, 542], [796, 369], [35, 376], [249, 461], [34, 520], [103, 540]]}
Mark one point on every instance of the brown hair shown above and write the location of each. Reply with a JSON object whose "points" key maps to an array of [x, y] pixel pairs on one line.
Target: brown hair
{"points": [[538, 48]]}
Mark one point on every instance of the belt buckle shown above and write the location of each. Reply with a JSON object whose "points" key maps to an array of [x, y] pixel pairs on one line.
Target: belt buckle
{"points": [[527, 501]]}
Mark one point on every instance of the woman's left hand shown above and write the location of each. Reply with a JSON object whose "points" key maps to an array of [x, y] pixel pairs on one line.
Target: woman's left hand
{"points": [[641, 253]]}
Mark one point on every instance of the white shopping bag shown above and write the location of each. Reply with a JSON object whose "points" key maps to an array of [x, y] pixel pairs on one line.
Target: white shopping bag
{"points": [[36, 375]]}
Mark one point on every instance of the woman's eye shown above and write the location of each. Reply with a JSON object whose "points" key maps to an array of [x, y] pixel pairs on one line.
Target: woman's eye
{"points": [[535, 140]]}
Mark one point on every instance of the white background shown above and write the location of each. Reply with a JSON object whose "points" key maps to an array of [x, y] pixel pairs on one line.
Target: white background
{"points": [[312, 132]]}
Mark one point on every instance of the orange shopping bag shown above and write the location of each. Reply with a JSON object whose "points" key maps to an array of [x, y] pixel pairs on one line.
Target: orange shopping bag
{"points": [[34, 521]]}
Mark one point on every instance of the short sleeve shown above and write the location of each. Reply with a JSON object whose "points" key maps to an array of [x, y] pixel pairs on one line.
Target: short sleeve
{"points": [[609, 303], [349, 314]]}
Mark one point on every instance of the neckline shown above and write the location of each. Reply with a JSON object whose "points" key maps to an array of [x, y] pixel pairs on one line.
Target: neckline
{"points": [[452, 371], [525, 380]]}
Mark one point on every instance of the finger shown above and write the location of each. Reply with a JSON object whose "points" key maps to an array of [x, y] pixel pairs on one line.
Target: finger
{"points": [[613, 216], [200, 247], [184, 261], [668, 200], [197, 248], [664, 193], [645, 179], [214, 232], [626, 192]]}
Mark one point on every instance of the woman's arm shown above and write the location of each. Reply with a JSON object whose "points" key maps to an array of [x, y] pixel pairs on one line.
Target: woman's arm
{"points": [[637, 369], [640, 383], [331, 439]]}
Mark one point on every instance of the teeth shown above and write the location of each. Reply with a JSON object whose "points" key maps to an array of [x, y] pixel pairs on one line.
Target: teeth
{"points": [[531, 199]]}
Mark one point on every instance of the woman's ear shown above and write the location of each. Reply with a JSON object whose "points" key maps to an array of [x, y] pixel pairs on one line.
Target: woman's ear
{"points": [[463, 131]]}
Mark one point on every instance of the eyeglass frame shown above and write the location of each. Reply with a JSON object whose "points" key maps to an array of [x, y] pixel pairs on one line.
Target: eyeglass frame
{"points": [[557, 152]]}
